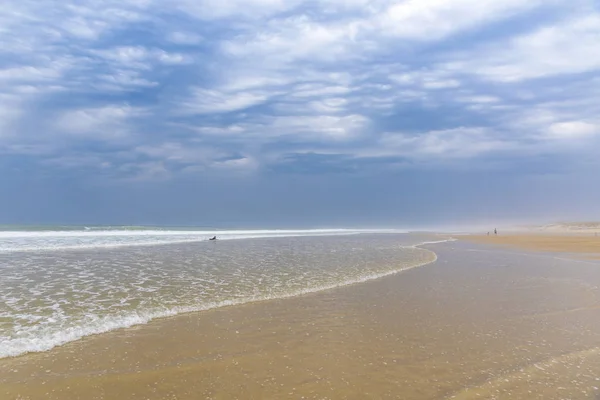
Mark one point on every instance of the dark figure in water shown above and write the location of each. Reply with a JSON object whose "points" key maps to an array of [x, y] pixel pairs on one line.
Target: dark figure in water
{"points": [[213, 238], [495, 231]]}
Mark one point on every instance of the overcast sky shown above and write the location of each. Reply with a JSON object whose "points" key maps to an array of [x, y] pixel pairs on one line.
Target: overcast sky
{"points": [[299, 113]]}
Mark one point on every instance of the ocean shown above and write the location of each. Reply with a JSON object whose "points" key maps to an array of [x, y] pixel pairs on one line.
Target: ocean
{"points": [[58, 285]]}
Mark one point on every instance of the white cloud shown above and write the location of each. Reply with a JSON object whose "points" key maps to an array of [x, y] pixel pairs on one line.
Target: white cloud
{"points": [[236, 81], [572, 130], [206, 101], [180, 152], [329, 105], [569, 47], [365, 28], [300, 128], [31, 74], [434, 19], [123, 79], [185, 38], [464, 142], [325, 73], [478, 99], [441, 84], [139, 56], [247, 9], [100, 123], [425, 79], [170, 58], [194, 157], [40, 25], [124, 54], [83, 28], [305, 90], [320, 128], [291, 39], [407, 78], [229, 132]]}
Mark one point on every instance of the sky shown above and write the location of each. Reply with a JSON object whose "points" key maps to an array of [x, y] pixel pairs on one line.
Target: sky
{"points": [[299, 113]]}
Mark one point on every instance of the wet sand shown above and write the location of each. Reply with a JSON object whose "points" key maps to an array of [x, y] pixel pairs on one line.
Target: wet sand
{"points": [[479, 323], [579, 243]]}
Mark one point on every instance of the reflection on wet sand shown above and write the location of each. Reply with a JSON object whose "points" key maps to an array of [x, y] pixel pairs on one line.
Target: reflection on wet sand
{"points": [[476, 324]]}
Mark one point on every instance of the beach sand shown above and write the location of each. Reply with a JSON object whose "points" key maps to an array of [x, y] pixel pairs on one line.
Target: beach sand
{"points": [[480, 323], [586, 244]]}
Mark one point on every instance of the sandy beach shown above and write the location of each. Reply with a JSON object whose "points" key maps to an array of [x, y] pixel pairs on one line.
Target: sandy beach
{"points": [[580, 243], [478, 323], [324, 200]]}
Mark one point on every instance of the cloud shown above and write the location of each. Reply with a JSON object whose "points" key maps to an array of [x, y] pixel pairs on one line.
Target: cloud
{"points": [[206, 101], [479, 99], [366, 29], [229, 85], [305, 90], [441, 84], [566, 48], [292, 39], [435, 19], [185, 38], [139, 57], [29, 74], [188, 153], [242, 164], [49, 24], [572, 130], [463, 142], [245, 9], [122, 81], [320, 128], [100, 123], [146, 171]]}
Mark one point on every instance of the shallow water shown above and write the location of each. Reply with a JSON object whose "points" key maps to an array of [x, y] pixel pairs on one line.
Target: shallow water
{"points": [[478, 323], [48, 298]]}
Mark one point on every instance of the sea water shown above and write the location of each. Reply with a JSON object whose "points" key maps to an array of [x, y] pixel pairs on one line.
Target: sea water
{"points": [[57, 286]]}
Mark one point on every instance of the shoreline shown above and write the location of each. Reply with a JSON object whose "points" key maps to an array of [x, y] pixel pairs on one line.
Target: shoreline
{"points": [[579, 244], [140, 320], [452, 329]]}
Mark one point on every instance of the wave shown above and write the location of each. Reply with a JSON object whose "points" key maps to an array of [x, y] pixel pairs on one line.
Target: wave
{"points": [[24, 241], [98, 325]]}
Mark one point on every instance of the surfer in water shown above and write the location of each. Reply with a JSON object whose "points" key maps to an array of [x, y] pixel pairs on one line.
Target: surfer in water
{"points": [[213, 238]]}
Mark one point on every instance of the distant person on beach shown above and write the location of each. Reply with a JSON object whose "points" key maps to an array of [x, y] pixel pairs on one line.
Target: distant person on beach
{"points": [[488, 234], [495, 231]]}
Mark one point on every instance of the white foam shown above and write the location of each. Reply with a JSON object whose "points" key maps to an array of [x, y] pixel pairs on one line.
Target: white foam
{"points": [[99, 289], [241, 232], [97, 325], [23, 241], [435, 242]]}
